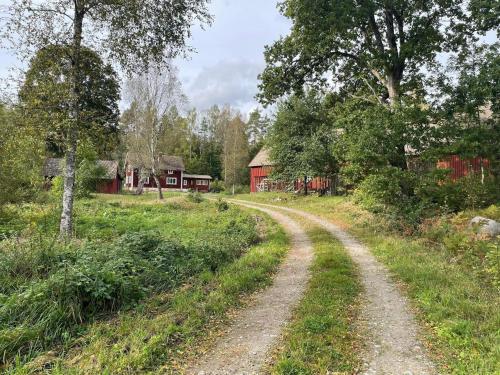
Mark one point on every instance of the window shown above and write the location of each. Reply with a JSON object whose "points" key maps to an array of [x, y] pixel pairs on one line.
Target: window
{"points": [[170, 171], [171, 181], [202, 182], [130, 180], [185, 182], [146, 181]]}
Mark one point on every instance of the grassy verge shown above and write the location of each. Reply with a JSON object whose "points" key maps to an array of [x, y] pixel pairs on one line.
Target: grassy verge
{"points": [[449, 274], [162, 332], [322, 338]]}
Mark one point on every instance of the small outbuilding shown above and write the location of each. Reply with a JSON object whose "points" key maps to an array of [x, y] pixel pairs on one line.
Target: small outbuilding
{"points": [[196, 182], [109, 183]]}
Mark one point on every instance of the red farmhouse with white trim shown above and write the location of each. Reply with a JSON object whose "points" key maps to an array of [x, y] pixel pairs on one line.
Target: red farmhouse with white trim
{"points": [[173, 177]]}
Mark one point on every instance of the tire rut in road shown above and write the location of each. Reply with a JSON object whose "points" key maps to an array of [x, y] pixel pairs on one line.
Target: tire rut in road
{"points": [[246, 345], [393, 346]]}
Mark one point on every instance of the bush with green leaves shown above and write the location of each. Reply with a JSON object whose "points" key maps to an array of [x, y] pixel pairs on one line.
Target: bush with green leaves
{"points": [[195, 197], [389, 187], [88, 175], [48, 291], [222, 205], [469, 192], [217, 186]]}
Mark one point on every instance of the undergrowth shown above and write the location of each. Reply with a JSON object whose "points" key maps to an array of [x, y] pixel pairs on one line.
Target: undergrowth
{"points": [[50, 291]]}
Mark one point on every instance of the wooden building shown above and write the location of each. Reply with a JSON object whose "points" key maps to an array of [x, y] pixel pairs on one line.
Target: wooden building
{"points": [[109, 183], [463, 167], [173, 176], [260, 181]]}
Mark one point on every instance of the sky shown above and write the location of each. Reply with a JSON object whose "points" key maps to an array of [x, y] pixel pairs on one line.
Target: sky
{"points": [[229, 54]]}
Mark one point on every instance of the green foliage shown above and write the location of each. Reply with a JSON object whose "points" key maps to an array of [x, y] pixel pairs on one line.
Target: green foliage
{"points": [[46, 96], [88, 175], [300, 142], [217, 186], [222, 205], [467, 192], [379, 47], [195, 197], [50, 290], [378, 191], [21, 158]]}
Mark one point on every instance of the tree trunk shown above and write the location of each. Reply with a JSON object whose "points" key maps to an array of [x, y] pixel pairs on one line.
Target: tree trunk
{"points": [[140, 186], [66, 224], [305, 185], [158, 186]]}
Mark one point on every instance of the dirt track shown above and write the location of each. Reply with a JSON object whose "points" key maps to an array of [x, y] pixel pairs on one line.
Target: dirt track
{"points": [[244, 348], [392, 342]]}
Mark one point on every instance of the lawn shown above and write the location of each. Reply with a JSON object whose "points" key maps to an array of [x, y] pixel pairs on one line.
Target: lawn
{"points": [[449, 273], [139, 288]]}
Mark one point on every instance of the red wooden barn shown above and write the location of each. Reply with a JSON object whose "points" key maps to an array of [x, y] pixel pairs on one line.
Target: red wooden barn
{"points": [[463, 167], [110, 182], [173, 176], [260, 169]]}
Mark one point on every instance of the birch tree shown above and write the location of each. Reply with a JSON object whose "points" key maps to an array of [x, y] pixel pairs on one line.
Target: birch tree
{"points": [[152, 96], [235, 153], [135, 34]]}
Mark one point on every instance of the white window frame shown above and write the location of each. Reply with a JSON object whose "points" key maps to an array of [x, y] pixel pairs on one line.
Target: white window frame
{"points": [[170, 179], [202, 182], [185, 182], [170, 171]]}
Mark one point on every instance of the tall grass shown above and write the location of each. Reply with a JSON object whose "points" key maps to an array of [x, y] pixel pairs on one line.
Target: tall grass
{"points": [[50, 291]]}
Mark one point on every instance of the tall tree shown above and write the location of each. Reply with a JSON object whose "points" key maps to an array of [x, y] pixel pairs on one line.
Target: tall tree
{"points": [[258, 126], [45, 98], [235, 153], [382, 45], [136, 34], [300, 141], [153, 96]]}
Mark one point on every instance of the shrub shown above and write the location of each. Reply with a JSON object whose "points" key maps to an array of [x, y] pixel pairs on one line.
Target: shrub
{"points": [[388, 188], [195, 197], [222, 205], [49, 289], [88, 175], [467, 192], [217, 186]]}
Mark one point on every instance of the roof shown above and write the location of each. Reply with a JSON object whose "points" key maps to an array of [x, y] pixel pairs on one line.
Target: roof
{"points": [[171, 162], [166, 161], [200, 176], [261, 159], [54, 167]]}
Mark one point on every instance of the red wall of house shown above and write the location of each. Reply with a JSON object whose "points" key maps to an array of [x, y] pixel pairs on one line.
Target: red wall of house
{"points": [[462, 167], [109, 186], [257, 174], [191, 185], [163, 180]]}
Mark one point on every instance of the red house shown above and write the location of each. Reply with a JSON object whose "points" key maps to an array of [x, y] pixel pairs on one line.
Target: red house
{"points": [[463, 167], [260, 169], [173, 176], [110, 182]]}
